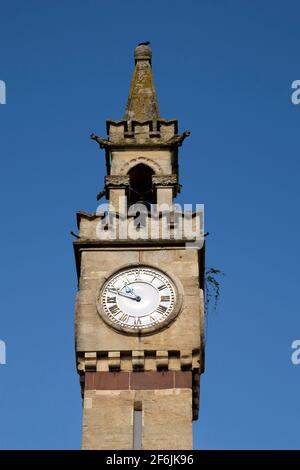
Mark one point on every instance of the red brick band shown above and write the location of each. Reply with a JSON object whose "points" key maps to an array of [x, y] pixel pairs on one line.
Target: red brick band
{"points": [[137, 380]]}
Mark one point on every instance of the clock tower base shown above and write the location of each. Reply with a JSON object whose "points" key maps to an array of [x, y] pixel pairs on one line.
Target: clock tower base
{"points": [[138, 410]]}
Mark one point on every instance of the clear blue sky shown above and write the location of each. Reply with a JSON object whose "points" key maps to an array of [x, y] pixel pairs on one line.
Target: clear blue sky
{"points": [[224, 69]]}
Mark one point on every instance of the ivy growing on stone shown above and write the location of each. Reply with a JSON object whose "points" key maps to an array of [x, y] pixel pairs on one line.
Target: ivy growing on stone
{"points": [[212, 288]]}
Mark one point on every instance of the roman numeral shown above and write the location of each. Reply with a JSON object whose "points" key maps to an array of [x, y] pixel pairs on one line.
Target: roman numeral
{"points": [[161, 309], [165, 298], [113, 290], [114, 310], [124, 318], [162, 287], [111, 300], [137, 321], [152, 318]]}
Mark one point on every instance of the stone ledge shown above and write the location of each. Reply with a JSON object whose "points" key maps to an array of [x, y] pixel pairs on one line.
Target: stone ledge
{"points": [[165, 180], [116, 181], [140, 361]]}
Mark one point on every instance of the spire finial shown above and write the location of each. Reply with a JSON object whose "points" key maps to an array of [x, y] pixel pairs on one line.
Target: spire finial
{"points": [[142, 102]]}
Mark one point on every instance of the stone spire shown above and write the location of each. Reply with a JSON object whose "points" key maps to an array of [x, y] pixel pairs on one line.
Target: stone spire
{"points": [[142, 102]]}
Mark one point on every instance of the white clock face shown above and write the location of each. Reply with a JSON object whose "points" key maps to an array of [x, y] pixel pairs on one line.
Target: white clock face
{"points": [[138, 299]]}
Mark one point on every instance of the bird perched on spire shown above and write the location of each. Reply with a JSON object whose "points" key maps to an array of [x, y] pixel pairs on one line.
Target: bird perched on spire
{"points": [[146, 43]]}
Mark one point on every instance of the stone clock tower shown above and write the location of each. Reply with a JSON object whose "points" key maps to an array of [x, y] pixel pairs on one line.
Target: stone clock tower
{"points": [[139, 308]]}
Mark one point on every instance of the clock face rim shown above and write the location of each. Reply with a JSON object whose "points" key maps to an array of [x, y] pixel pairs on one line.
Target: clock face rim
{"points": [[148, 329]]}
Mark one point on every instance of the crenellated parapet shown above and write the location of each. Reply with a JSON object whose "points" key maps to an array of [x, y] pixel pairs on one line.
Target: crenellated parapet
{"points": [[160, 133]]}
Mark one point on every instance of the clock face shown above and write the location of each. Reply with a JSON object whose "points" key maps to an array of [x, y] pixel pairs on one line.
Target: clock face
{"points": [[138, 299]]}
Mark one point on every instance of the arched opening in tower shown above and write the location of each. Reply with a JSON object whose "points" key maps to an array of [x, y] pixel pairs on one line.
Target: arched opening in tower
{"points": [[141, 190]]}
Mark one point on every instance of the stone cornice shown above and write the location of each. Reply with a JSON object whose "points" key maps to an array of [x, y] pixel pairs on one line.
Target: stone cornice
{"points": [[164, 180], [116, 181]]}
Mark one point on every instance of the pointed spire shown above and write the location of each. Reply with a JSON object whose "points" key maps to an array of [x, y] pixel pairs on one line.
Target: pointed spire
{"points": [[142, 102]]}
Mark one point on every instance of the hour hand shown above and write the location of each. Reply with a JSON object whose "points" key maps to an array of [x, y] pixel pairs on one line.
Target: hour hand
{"points": [[123, 294], [131, 291]]}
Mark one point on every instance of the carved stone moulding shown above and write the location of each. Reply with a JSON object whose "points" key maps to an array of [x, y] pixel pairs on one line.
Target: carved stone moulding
{"points": [[138, 360], [116, 181], [146, 161], [167, 181]]}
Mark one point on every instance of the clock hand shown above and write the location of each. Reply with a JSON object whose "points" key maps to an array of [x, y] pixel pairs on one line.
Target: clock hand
{"points": [[118, 291], [135, 297], [130, 289]]}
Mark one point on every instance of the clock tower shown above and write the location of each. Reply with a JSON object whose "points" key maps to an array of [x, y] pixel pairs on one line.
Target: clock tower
{"points": [[139, 310]]}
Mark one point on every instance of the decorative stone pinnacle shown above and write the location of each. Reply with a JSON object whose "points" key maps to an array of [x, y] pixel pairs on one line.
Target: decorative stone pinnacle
{"points": [[142, 102], [142, 52]]}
